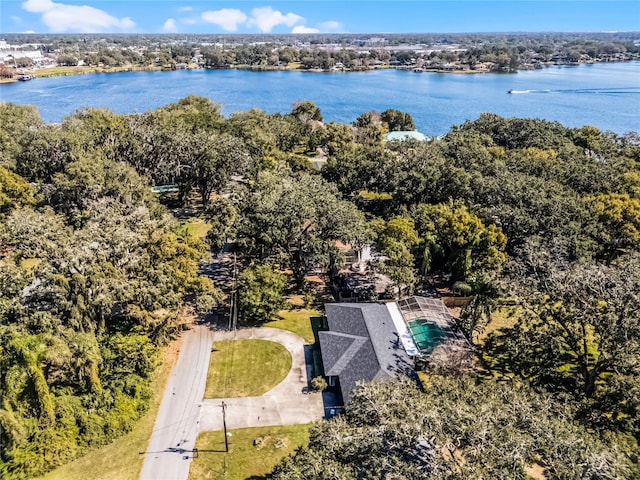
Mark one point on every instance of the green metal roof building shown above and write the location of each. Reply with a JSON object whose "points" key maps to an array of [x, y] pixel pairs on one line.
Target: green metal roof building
{"points": [[405, 135]]}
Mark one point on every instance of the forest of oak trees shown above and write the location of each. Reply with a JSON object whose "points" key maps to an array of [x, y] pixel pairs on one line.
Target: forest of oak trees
{"points": [[524, 216]]}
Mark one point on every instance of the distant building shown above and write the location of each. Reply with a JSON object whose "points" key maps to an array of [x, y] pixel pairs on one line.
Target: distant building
{"points": [[405, 135]]}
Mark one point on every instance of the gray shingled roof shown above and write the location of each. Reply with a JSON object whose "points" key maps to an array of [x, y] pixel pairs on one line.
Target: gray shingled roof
{"points": [[362, 344]]}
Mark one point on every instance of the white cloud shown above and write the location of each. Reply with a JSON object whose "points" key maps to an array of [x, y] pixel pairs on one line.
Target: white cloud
{"points": [[265, 18], [227, 18], [330, 26], [185, 9], [29, 31], [303, 29], [15, 19], [59, 17], [170, 26]]}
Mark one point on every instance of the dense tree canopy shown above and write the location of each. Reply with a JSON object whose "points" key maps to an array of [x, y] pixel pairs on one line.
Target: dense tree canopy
{"points": [[456, 429], [459, 238], [92, 277], [523, 216], [296, 219]]}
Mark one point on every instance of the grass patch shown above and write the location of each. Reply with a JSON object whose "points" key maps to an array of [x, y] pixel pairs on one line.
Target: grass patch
{"points": [[296, 321], [502, 318], [368, 195], [245, 460], [246, 368], [30, 263], [195, 227], [61, 71], [120, 459]]}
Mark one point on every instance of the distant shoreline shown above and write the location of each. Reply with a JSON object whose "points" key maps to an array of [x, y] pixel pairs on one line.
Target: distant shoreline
{"points": [[59, 71]]}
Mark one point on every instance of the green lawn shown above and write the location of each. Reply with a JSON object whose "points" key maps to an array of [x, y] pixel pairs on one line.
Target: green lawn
{"points": [[296, 321], [246, 368], [196, 227], [121, 460], [504, 317], [245, 460], [58, 71]]}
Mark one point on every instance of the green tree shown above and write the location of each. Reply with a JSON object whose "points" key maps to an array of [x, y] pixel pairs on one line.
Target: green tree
{"points": [[255, 128], [457, 429], [261, 294], [396, 239], [397, 121], [305, 111], [218, 158], [586, 323], [224, 217], [370, 129], [15, 192], [296, 220], [476, 314], [47, 149], [334, 138], [460, 239], [618, 218], [193, 113], [16, 121]]}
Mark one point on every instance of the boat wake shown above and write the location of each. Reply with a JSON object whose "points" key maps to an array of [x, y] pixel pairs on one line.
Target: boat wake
{"points": [[600, 91]]}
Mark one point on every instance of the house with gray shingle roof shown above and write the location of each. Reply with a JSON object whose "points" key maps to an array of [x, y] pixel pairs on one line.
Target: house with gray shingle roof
{"points": [[362, 344]]}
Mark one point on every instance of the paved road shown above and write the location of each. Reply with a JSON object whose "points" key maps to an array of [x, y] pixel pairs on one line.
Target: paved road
{"points": [[183, 413], [169, 453], [285, 404]]}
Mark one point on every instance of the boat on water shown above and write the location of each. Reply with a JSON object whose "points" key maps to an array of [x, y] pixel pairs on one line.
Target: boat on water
{"points": [[518, 91], [25, 78]]}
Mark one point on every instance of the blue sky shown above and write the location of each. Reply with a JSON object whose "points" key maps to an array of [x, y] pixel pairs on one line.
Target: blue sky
{"points": [[309, 16]]}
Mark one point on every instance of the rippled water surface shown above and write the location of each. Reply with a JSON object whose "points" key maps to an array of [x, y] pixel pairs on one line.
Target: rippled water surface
{"points": [[604, 95]]}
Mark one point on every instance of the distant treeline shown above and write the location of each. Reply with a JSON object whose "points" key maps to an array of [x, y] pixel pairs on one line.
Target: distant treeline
{"points": [[498, 52]]}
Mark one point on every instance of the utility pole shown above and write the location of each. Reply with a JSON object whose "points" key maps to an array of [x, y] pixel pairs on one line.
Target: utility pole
{"points": [[224, 426], [235, 294], [233, 307], [231, 311]]}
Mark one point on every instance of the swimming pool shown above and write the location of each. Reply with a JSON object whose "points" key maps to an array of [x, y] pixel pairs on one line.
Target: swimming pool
{"points": [[428, 335]]}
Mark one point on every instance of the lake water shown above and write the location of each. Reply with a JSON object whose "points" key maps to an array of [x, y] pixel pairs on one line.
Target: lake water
{"points": [[603, 95]]}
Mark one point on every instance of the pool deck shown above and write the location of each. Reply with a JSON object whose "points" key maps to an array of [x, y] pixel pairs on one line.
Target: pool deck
{"points": [[405, 335]]}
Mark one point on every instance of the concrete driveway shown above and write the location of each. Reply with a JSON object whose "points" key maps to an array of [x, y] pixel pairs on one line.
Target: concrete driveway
{"points": [[183, 413], [285, 404]]}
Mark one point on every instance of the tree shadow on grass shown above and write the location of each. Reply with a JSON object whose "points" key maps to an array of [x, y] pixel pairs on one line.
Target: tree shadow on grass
{"points": [[518, 351]]}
